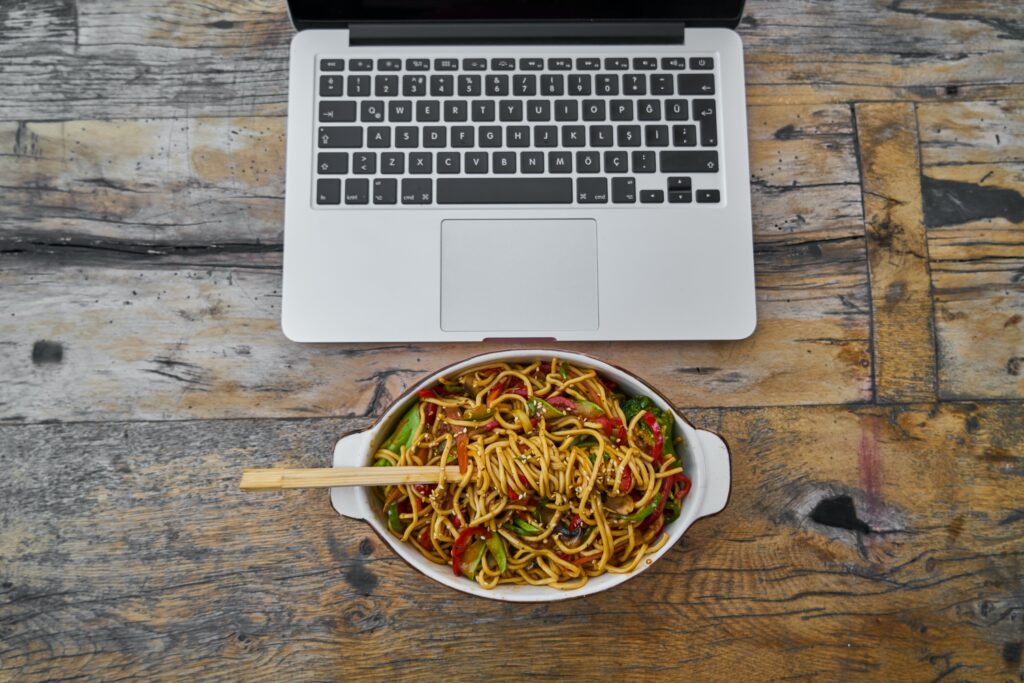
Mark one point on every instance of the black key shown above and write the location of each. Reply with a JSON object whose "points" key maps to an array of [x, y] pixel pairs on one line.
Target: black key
{"points": [[616, 162], [389, 65], [371, 111], [624, 190], [332, 64], [552, 85], [559, 63], [477, 162], [616, 63], [643, 162], [634, 84], [331, 86], [588, 162], [364, 163], [417, 65], [392, 163], [503, 162], [517, 136], [684, 136], [414, 85], [483, 110], [607, 84], [708, 196], [332, 163], [524, 85], [601, 136], [400, 111], [545, 136], [510, 110], [573, 136], [559, 162], [469, 85], [680, 183], [567, 110], [474, 64], [378, 136], [358, 86], [538, 110], [385, 191], [531, 64], [503, 64], [680, 197], [628, 136], [531, 162], [462, 136], [661, 84], [674, 63], [689, 162], [328, 191], [357, 191], [656, 136], [588, 63], [648, 110], [446, 64], [696, 84], [652, 196], [593, 110], [496, 85], [338, 111], [704, 112], [592, 190], [385, 86], [504, 191], [456, 110], [579, 84], [340, 136], [417, 190], [490, 136], [621, 110], [428, 111], [448, 162], [407, 136], [435, 136], [360, 64], [442, 85], [645, 63], [702, 63], [677, 110], [421, 162]]}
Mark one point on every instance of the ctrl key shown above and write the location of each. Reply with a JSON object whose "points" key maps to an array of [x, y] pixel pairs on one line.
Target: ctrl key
{"points": [[357, 191], [328, 191]]}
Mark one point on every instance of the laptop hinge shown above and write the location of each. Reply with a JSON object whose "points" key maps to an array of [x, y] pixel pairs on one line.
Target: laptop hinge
{"points": [[472, 32]]}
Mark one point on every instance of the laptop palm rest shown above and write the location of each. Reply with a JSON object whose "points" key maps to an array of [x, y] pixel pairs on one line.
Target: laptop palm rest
{"points": [[536, 275]]}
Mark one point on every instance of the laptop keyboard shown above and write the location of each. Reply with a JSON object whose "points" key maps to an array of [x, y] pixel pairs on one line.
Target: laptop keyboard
{"points": [[478, 131]]}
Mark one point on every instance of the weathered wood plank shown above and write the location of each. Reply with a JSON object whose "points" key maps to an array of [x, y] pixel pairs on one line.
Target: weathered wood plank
{"points": [[973, 183], [144, 58], [902, 334], [878, 541]]}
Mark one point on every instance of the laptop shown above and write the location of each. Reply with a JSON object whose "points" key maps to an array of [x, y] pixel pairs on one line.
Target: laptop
{"points": [[527, 170]]}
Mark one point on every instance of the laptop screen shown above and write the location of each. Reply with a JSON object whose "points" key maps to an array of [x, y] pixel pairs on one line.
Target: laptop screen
{"points": [[338, 13]]}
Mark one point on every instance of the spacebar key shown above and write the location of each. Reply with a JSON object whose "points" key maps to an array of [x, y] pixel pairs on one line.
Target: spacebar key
{"points": [[504, 191]]}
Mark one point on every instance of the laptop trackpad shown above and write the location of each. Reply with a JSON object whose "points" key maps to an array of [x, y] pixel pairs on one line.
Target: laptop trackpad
{"points": [[519, 275]]}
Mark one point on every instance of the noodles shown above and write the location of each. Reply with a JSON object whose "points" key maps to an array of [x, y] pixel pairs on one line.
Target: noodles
{"points": [[563, 478]]}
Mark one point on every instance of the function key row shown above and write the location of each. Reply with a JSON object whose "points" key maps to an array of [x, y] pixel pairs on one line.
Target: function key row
{"points": [[525, 64]]}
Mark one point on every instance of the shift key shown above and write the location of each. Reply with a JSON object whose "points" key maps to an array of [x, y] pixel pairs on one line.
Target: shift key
{"points": [[689, 162]]}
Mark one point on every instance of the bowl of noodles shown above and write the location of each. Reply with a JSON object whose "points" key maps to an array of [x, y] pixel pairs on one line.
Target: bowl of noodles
{"points": [[574, 475]]}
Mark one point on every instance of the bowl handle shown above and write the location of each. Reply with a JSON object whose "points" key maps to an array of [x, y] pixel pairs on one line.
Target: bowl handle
{"points": [[350, 451], [717, 472]]}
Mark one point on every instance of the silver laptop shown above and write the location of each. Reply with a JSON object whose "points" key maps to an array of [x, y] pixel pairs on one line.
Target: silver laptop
{"points": [[465, 170]]}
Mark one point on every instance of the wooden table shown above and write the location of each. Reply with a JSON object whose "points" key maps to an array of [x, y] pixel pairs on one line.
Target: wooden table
{"points": [[876, 415]]}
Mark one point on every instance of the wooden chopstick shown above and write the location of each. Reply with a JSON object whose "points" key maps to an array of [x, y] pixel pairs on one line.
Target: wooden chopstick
{"points": [[325, 477]]}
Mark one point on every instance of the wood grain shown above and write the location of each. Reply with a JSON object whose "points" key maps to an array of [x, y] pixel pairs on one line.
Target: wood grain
{"points": [[902, 335], [140, 557]]}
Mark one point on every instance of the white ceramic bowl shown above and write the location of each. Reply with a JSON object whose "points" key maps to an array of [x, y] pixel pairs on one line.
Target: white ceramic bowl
{"points": [[706, 462]]}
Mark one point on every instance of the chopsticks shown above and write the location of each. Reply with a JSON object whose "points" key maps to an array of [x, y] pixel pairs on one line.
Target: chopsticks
{"points": [[325, 477]]}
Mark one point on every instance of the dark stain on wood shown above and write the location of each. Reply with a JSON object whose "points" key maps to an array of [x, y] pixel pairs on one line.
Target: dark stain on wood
{"points": [[972, 424], [359, 576], [1011, 653], [45, 352], [952, 202], [1013, 320], [839, 512], [787, 132], [1013, 365]]}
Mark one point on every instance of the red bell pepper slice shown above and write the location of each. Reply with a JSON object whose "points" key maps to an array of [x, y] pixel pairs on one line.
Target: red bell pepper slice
{"points": [[627, 480], [686, 485], [430, 412], [661, 505], [459, 547], [424, 539], [659, 440], [497, 390], [610, 425], [562, 403]]}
